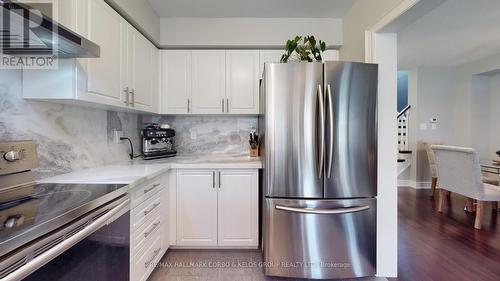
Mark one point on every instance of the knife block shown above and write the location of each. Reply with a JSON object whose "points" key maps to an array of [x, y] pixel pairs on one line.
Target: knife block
{"points": [[254, 152]]}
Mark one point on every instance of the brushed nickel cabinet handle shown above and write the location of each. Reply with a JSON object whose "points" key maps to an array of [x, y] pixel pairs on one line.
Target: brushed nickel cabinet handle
{"points": [[132, 100], [146, 264], [127, 99], [151, 188], [222, 105], [227, 105], [151, 209], [188, 105], [147, 233]]}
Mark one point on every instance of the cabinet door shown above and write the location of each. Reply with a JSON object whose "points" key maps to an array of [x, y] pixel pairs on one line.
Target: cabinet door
{"points": [[140, 70], [107, 74], [176, 81], [209, 81], [269, 56], [196, 208], [238, 208], [242, 82]]}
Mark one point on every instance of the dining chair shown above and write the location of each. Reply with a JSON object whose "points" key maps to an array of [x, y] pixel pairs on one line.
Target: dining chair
{"points": [[432, 166], [459, 171]]}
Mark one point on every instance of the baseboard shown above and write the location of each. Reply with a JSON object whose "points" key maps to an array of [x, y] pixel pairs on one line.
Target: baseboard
{"points": [[415, 185]]}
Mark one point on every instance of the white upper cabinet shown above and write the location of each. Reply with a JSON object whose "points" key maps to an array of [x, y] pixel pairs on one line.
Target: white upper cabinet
{"points": [[330, 55], [238, 208], [107, 76], [209, 81], [142, 69], [125, 76], [176, 81], [242, 82], [269, 56]]}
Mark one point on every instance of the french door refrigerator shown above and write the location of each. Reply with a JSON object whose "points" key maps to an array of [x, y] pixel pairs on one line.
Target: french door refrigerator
{"points": [[319, 146]]}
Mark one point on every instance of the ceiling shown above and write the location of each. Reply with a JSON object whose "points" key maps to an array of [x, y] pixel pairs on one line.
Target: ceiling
{"points": [[252, 8], [455, 33]]}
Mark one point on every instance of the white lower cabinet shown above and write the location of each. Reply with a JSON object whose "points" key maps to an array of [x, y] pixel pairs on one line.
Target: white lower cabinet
{"points": [[196, 208], [149, 221], [238, 208], [217, 208]]}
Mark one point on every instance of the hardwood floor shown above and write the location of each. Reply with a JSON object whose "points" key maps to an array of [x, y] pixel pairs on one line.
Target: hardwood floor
{"points": [[434, 246]]}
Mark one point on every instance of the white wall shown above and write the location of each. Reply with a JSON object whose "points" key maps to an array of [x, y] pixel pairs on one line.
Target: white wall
{"points": [[494, 114], [362, 15], [465, 99], [142, 14], [246, 32], [431, 93]]}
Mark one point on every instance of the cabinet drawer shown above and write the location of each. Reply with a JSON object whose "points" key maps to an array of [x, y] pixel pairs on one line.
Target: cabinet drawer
{"points": [[142, 193], [143, 235], [144, 263], [145, 211]]}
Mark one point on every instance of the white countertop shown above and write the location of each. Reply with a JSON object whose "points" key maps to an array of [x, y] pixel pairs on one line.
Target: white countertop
{"points": [[137, 171]]}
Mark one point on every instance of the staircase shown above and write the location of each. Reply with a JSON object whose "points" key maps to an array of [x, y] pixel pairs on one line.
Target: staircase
{"points": [[404, 152]]}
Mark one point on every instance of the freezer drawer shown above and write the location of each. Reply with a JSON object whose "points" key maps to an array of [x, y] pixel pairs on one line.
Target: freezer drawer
{"points": [[320, 239]]}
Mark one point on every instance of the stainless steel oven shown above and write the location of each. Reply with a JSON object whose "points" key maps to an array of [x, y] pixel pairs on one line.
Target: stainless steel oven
{"points": [[96, 246], [55, 231]]}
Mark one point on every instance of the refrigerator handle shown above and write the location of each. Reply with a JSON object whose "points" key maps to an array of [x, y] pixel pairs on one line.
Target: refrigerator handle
{"points": [[323, 211], [330, 128], [321, 154]]}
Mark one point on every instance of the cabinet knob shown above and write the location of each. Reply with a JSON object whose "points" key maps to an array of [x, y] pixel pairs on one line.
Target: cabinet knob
{"points": [[12, 156]]}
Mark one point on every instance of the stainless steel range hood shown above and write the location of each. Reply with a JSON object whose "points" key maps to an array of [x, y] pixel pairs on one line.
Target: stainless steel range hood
{"points": [[26, 32]]}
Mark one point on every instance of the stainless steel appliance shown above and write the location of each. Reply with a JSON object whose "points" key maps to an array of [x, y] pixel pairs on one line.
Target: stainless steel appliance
{"points": [[157, 142], [319, 130], [72, 231], [26, 30]]}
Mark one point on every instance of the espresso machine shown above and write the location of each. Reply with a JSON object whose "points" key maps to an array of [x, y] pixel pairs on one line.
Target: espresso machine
{"points": [[157, 142]]}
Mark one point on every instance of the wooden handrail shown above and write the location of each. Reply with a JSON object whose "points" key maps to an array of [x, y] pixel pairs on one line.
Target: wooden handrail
{"points": [[404, 111]]}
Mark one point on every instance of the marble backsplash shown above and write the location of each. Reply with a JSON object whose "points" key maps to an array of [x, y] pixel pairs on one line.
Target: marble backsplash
{"points": [[71, 137], [68, 137], [209, 134]]}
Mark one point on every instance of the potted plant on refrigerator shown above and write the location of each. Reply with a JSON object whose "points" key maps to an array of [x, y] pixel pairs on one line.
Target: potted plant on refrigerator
{"points": [[306, 49]]}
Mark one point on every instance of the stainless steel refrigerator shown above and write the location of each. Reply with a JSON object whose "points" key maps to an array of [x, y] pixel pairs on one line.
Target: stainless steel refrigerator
{"points": [[319, 145]]}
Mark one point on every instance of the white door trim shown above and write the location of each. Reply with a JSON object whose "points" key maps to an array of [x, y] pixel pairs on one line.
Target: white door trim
{"points": [[381, 48]]}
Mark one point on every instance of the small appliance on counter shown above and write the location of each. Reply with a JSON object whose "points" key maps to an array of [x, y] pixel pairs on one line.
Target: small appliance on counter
{"points": [[157, 141]]}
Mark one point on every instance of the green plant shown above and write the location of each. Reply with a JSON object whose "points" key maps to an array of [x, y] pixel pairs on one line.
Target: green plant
{"points": [[308, 50]]}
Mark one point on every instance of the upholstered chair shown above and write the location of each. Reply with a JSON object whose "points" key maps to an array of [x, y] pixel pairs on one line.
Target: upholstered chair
{"points": [[459, 171], [432, 166]]}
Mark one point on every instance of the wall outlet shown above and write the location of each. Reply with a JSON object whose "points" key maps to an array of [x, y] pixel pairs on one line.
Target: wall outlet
{"points": [[117, 135], [193, 135]]}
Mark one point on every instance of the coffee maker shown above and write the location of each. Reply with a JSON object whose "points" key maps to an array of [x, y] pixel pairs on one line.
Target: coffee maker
{"points": [[157, 142]]}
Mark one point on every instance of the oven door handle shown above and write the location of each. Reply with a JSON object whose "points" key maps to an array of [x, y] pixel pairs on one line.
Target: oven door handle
{"points": [[60, 248]]}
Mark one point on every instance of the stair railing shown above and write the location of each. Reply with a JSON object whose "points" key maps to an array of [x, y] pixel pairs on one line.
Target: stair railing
{"points": [[403, 129]]}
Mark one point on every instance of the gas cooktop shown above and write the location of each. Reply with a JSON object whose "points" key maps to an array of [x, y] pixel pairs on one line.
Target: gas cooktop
{"points": [[49, 207]]}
